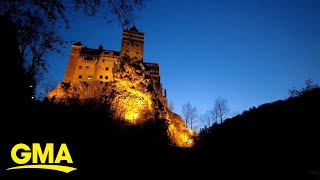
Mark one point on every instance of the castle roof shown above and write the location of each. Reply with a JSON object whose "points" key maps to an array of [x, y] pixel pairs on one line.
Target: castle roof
{"points": [[91, 51], [77, 43], [134, 29]]}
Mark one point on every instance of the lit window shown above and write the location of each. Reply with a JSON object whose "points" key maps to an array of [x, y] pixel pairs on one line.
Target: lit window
{"points": [[80, 67], [101, 77], [106, 77], [89, 77], [107, 68], [87, 67], [80, 76]]}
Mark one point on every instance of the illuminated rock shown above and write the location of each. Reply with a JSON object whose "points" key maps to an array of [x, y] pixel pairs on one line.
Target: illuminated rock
{"points": [[121, 81]]}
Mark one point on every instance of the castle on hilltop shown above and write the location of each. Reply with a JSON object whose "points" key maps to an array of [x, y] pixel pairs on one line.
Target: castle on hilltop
{"points": [[89, 64]]}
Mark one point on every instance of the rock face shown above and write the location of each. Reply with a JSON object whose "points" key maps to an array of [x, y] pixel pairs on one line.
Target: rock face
{"points": [[131, 97]]}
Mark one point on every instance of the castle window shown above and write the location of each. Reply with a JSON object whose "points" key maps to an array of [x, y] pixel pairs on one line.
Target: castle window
{"points": [[87, 67], [127, 50], [106, 77], [103, 61], [137, 52], [137, 45], [89, 77], [80, 76], [107, 68], [80, 67], [128, 43]]}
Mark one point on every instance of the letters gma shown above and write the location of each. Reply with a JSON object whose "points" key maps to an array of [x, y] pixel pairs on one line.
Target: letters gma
{"points": [[40, 157]]}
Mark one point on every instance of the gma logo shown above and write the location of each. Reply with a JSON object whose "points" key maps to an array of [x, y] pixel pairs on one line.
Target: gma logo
{"points": [[33, 153]]}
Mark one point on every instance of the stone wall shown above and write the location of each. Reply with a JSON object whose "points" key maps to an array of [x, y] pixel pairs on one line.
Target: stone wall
{"points": [[132, 45], [72, 63]]}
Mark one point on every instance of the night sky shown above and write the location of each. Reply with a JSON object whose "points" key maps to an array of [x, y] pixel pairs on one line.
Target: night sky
{"points": [[248, 52]]}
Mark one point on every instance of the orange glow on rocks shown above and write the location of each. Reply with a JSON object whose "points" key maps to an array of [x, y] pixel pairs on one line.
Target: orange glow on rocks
{"points": [[121, 82], [131, 104], [132, 98], [178, 133]]}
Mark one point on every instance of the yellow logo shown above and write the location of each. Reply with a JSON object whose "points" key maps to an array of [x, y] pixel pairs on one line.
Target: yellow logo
{"points": [[48, 153]]}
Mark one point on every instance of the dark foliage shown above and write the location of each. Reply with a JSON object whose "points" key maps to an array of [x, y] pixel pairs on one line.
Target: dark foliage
{"points": [[97, 143], [17, 86], [273, 140]]}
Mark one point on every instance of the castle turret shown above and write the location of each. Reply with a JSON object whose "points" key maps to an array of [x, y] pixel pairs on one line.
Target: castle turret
{"points": [[73, 61], [132, 44]]}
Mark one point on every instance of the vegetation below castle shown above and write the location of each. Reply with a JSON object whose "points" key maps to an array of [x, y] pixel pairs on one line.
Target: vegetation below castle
{"points": [[277, 139], [98, 143]]}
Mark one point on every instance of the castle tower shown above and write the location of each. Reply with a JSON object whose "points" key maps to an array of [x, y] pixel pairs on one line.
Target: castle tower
{"points": [[132, 44], [73, 61]]}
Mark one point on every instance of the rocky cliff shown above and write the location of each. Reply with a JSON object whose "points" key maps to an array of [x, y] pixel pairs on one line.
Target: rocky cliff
{"points": [[131, 97]]}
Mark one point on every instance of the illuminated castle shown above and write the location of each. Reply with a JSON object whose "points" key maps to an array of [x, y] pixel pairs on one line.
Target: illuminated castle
{"points": [[89, 65], [130, 88]]}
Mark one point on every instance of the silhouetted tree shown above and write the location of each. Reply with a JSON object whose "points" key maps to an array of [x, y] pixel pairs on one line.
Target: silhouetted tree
{"points": [[309, 85], [36, 41], [60, 10], [207, 119], [19, 87], [250, 135], [47, 87], [190, 114], [38, 22], [220, 109]]}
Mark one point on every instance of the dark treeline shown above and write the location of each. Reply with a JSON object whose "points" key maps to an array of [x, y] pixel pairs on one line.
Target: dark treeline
{"points": [[279, 138], [98, 144], [274, 140]]}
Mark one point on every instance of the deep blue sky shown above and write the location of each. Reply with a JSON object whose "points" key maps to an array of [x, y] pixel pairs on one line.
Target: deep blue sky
{"points": [[249, 52]]}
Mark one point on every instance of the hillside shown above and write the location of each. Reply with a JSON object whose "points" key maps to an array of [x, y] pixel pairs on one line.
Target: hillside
{"points": [[279, 138]]}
